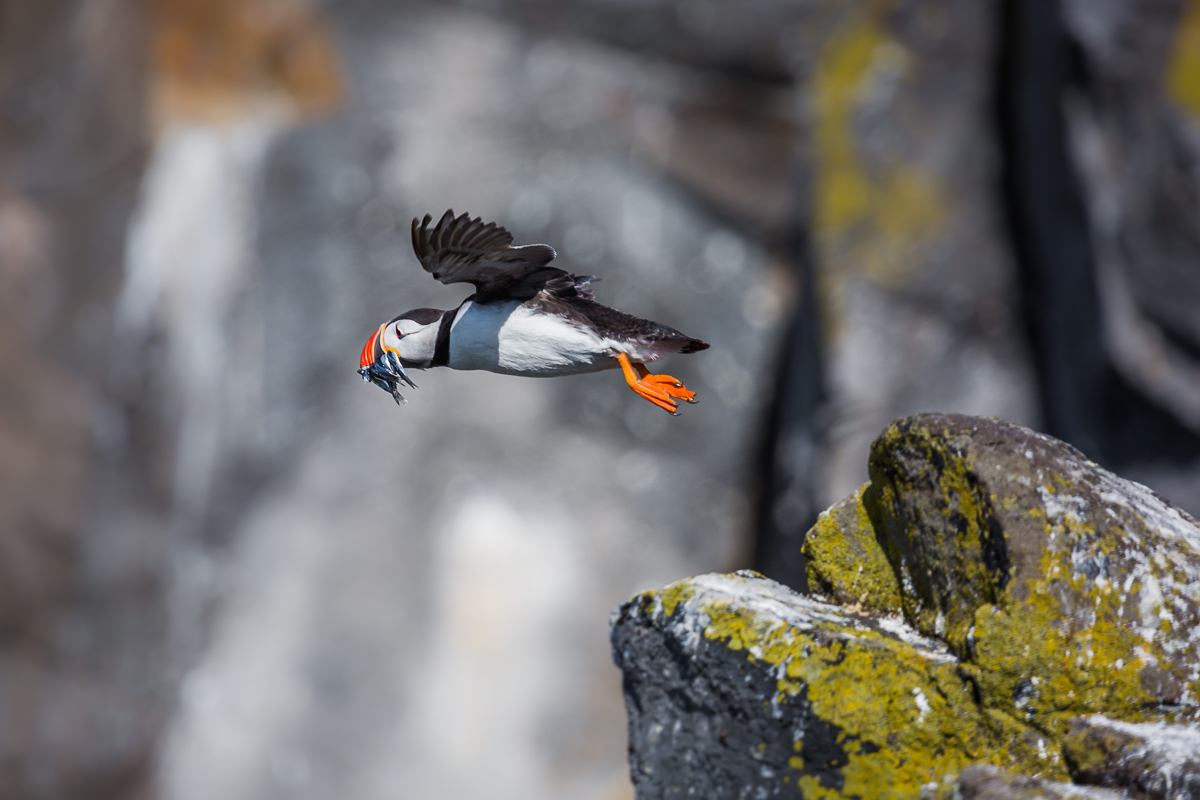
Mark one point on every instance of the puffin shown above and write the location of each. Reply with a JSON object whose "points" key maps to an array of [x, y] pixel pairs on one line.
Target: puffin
{"points": [[524, 318]]}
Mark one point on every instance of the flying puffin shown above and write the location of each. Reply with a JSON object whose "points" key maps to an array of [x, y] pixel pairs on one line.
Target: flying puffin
{"points": [[525, 318]]}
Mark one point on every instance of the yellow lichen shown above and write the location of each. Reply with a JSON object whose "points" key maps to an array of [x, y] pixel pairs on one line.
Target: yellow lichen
{"points": [[906, 719], [1079, 669], [959, 564], [673, 595], [1047, 648], [897, 204], [1183, 72], [1090, 748], [1040, 642], [846, 563]]}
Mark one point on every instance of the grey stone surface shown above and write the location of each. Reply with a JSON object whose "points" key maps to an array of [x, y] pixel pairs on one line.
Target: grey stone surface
{"points": [[985, 782], [82, 688], [993, 528], [1136, 140], [917, 277], [1059, 588], [1152, 760], [1139, 148], [727, 681]]}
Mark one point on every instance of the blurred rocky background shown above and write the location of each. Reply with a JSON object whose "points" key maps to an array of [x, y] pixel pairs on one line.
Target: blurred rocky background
{"points": [[230, 569]]}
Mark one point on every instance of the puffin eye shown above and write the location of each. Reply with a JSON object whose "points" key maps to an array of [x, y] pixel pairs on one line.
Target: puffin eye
{"points": [[399, 333]]}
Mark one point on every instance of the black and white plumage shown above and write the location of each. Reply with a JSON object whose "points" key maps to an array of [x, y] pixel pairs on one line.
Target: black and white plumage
{"points": [[525, 318]]}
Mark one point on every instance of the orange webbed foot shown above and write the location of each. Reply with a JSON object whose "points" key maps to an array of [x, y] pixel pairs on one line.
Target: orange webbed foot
{"points": [[662, 390], [670, 385]]}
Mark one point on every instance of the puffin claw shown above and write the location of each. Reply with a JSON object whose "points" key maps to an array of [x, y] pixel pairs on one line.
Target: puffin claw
{"points": [[661, 390]]}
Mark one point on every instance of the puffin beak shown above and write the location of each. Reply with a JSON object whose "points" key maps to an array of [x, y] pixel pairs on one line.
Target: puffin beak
{"points": [[369, 352], [382, 368]]}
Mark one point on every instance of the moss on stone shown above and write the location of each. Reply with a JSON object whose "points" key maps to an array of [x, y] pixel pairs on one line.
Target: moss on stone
{"points": [[845, 562], [937, 526], [1065, 588], [1062, 590], [1040, 664], [1088, 750], [672, 596], [907, 716]]}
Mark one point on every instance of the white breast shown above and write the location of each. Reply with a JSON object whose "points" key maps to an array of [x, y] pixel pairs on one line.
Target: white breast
{"points": [[515, 340]]}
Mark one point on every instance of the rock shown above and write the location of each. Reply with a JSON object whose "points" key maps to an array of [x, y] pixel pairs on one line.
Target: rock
{"points": [[1069, 590], [755, 40], [1137, 146], [82, 607], [1041, 590], [738, 687], [984, 782], [909, 235], [1153, 760], [845, 562]]}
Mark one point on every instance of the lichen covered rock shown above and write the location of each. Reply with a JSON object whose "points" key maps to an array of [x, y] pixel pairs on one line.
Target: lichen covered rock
{"points": [[1067, 590], [993, 592], [845, 562], [738, 687], [1154, 760]]}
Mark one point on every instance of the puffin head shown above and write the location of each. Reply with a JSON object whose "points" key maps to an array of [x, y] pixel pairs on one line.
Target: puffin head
{"points": [[408, 340]]}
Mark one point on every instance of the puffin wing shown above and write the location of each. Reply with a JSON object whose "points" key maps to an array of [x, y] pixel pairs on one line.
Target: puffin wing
{"points": [[464, 250]]}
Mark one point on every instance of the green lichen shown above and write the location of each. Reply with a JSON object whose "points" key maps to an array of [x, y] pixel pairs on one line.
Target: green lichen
{"points": [[872, 216], [1046, 641], [672, 596], [1064, 592], [943, 563], [1088, 750], [868, 684], [1183, 72], [1039, 663], [845, 562]]}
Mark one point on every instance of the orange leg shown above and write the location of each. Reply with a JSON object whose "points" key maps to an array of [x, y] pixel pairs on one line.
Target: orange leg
{"points": [[658, 389]]}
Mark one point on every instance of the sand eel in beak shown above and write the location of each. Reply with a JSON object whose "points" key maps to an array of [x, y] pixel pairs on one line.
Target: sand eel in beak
{"points": [[525, 318]]}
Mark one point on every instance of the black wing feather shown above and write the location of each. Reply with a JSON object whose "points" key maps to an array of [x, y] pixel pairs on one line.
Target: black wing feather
{"points": [[464, 250]]}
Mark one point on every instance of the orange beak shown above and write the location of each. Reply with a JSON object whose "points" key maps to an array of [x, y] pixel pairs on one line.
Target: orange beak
{"points": [[386, 373], [369, 351]]}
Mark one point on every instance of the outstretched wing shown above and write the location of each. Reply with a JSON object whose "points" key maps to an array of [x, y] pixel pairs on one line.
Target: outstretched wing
{"points": [[464, 250]]}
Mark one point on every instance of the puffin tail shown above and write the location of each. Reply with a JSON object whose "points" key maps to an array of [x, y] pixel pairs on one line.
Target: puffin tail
{"points": [[668, 345]]}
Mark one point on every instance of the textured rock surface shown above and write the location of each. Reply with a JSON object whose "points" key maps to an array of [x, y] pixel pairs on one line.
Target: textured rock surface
{"points": [[983, 782], [80, 629], [845, 562], [1153, 760], [738, 687], [1040, 589], [1137, 142], [1069, 589], [916, 274]]}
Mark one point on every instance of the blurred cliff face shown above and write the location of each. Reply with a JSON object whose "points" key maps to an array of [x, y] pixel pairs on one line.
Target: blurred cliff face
{"points": [[72, 141], [274, 581], [231, 569], [417, 597]]}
